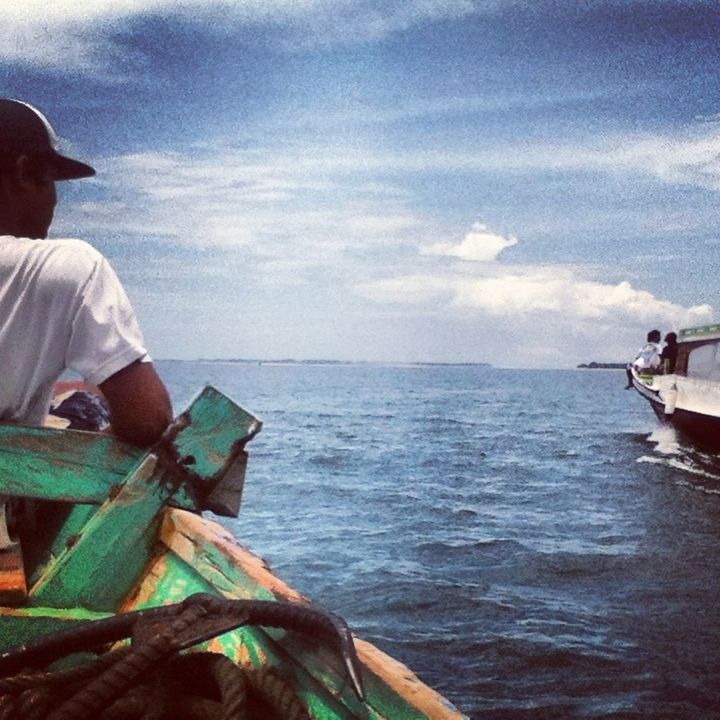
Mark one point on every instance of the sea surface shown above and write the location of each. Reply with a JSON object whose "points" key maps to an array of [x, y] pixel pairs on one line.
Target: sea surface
{"points": [[528, 542]]}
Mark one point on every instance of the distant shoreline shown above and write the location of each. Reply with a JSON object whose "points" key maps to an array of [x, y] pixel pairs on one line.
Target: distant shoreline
{"points": [[281, 362], [291, 361]]}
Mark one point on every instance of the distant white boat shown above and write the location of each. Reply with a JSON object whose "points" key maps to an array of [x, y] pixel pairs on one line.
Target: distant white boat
{"points": [[689, 398]]}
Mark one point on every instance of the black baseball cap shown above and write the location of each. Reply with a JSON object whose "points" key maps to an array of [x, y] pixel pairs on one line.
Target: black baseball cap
{"points": [[25, 130]]}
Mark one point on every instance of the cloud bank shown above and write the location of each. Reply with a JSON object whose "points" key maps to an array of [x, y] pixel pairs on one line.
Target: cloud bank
{"points": [[312, 217], [539, 292]]}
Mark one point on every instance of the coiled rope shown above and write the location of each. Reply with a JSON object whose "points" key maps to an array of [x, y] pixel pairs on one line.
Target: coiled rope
{"points": [[151, 680]]}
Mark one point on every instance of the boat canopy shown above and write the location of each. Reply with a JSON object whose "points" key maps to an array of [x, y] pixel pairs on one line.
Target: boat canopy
{"points": [[701, 332]]}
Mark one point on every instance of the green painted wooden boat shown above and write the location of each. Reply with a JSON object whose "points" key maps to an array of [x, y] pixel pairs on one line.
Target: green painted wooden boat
{"points": [[108, 530]]}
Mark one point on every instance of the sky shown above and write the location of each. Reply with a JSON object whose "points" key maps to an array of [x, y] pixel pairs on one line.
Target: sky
{"points": [[528, 184]]}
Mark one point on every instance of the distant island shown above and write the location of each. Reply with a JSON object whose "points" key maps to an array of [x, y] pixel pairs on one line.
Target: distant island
{"points": [[603, 366]]}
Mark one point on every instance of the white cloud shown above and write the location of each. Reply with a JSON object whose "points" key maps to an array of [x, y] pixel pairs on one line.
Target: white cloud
{"points": [[691, 157], [555, 291], [537, 292], [271, 205], [408, 290], [536, 296], [479, 245], [71, 35]]}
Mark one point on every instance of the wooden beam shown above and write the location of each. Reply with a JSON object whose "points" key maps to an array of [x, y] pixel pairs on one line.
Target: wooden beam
{"points": [[170, 579], [111, 551], [19, 625], [209, 444], [62, 464]]}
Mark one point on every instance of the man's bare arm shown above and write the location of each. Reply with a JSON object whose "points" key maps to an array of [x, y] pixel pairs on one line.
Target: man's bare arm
{"points": [[140, 407]]}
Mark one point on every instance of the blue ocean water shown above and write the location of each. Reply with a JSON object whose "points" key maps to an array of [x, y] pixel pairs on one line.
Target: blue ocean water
{"points": [[528, 542]]}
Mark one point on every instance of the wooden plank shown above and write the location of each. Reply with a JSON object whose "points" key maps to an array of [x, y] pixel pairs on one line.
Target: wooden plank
{"points": [[72, 465], [227, 564], [109, 555], [225, 497], [63, 524], [62, 464], [209, 443], [393, 690]]}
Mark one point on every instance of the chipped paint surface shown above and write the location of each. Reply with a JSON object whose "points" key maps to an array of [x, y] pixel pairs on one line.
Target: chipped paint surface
{"points": [[62, 464], [92, 573], [191, 536], [224, 427], [18, 625]]}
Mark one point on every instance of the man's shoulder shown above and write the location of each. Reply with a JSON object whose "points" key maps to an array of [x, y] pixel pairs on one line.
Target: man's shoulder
{"points": [[73, 248], [71, 257], [58, 263]]}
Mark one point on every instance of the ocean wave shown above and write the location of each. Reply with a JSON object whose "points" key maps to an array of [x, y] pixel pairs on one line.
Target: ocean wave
{"points": [[331, 462], [695, 476]]}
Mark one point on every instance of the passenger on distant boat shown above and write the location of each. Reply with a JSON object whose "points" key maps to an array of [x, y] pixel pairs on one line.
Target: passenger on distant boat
{"points": [[647, 358], [669, 354]]}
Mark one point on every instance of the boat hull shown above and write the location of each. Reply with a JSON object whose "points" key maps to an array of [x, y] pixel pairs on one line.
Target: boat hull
{"points": [[700, 428]]}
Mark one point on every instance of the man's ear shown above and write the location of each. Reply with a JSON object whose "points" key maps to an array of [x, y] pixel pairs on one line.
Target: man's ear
{"points": [[30, 171], [23, 174]]}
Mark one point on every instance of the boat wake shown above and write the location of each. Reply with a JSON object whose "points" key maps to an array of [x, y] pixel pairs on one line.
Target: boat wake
{"points": [[701, 471], [666, 440]]}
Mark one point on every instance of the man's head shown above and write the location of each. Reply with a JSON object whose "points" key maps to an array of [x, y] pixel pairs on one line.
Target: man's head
{"points": [[30, 163], [654, 336]]}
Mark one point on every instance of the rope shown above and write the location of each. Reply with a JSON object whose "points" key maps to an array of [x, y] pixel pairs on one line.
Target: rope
{"points": [[221, 690], [276, 694], [151, 680], [234, 613]]}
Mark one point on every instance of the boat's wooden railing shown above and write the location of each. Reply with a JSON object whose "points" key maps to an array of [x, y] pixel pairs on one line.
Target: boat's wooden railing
{"points": [[113, 492], [119, 548]]}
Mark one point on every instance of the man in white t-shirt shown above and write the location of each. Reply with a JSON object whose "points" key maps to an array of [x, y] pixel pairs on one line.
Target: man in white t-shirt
{"points": [[648, 357], [61, 304]]}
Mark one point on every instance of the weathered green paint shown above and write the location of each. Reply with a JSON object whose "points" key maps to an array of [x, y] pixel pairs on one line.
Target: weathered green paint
{"points": [[84, 467], [214, 437], [62, 464], [221, 573], [18, 625], [112, 550], [224, 576], [261, 646], [98, 555], [224, 499]]}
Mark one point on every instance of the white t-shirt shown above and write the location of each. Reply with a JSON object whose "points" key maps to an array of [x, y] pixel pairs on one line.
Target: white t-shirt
{"points": [[61, 306], [648, 356]]}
